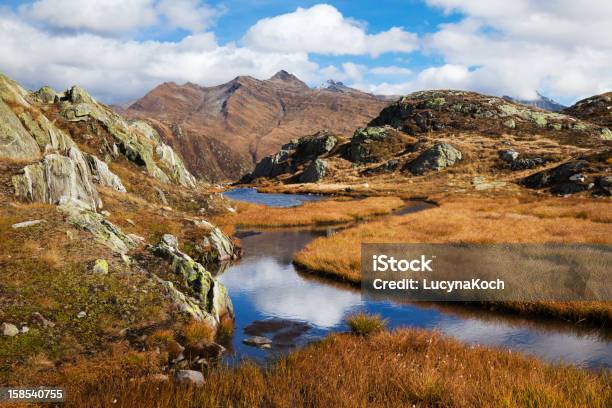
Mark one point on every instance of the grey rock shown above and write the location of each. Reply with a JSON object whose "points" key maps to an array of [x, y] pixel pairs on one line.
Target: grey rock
{"points": [[9, 330], [314, 146], [435, 158], [190, 377], [15, 141], [103, 230], [102, 175], [605, 185], [211, 294], [314, 172], [26, 224], [60, 180], [81, 315], [258, 341], [508, 155]]}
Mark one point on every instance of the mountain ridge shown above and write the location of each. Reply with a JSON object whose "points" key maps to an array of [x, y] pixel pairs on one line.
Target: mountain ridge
{"points": [[250, 118]]}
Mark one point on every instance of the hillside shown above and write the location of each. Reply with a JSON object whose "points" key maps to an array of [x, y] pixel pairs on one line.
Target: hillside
{"points": [[221, 131], [596, 109], [104, 235], [442, 142]]}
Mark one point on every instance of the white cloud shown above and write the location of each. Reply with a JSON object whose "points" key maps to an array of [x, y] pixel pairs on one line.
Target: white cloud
{"points": [[323, 29], [391, 70], [115, 69], [188, 14], [114, 17], [561, 47], [101, 16]]}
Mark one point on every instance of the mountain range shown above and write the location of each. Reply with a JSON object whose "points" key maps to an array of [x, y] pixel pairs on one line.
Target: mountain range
{"points": [[222, 131]]}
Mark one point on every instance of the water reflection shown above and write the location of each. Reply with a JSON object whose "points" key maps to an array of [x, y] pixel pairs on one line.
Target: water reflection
{"points": [[265, 285]]}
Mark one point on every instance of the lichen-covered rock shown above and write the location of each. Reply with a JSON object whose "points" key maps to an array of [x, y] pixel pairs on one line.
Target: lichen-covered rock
{"points": [[104, 232], [58, 179], [15, 141], [216, 244], [45, 95], [313, 146], [100, 267], [314, 172], [435, 158], [185, 304], [102, 175], [424, 111], [508, 155], [375, 144], [211, 294]]}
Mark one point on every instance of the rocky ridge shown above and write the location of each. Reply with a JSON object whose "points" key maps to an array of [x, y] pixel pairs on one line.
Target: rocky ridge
{"points": [[489, 142]]}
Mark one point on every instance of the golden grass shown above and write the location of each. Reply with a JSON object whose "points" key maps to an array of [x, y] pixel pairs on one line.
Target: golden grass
{"points": [[402, 368], [474, 221], [325, 212], [199, 331], [364, 324]]}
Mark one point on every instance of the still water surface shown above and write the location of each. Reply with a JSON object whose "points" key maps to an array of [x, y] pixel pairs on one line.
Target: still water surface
{"points": [[271, 298]]}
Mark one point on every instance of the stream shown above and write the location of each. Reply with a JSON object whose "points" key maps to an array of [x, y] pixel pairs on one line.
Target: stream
{"points": [[272, 299]]}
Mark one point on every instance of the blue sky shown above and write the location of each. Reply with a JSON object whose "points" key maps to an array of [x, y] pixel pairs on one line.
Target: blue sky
{"points": [[120, 49]]}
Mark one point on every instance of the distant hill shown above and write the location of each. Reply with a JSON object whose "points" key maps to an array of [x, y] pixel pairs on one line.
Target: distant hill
{"points": [[541, 102], [222, 131], [596, 109]]}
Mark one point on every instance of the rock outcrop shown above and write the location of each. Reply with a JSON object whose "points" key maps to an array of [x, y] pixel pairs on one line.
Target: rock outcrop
{"points": [[58, 180], [314, 172], [211, 295], [103, 231], [435, 158], [448, 110], [216, 246], [375, 144], [138, 141]]}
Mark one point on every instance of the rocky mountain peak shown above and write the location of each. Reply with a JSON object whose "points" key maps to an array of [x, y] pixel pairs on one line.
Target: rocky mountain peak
{"points": [[285, 77]]}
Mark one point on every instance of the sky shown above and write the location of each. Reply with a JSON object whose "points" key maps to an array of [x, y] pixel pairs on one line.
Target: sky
{"points": [[120, 49]]}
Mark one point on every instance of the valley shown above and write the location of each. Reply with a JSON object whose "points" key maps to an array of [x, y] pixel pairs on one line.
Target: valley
{"points": [[203, 245]]}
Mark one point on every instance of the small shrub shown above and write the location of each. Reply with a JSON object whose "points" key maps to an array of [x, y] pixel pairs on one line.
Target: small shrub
{"points": [[364, 324], [199, 331]]}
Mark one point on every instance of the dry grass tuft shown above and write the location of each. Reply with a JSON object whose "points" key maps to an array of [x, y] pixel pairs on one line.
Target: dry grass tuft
{"points": [[364, 324]]}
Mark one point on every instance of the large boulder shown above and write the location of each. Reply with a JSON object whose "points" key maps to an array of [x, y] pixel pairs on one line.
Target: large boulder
{"points": [[211, 294], [273, 165], [375, 144], [435, 158], [58, 179], [314, 172]]}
